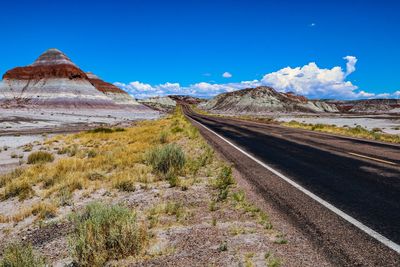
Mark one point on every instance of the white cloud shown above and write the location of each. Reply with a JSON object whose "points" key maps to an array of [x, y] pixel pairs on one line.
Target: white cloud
{"points": [[309, 80], [312, 24], [313, 81], [351, 64], [227, 75]]}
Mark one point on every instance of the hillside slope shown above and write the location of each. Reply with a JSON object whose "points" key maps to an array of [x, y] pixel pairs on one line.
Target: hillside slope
{"points": [[264, 99], [368, 106]]}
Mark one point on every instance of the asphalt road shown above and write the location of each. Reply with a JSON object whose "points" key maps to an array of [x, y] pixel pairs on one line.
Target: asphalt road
{"points": [[361, 178]]}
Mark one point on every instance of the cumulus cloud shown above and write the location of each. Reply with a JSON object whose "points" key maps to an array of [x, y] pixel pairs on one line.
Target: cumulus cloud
{"points": [[309, 80], [226, 75], [351, 64], [202, 89], [313, 81]]}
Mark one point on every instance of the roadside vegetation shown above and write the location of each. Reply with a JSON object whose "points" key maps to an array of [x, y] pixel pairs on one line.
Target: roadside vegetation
{"points": [[19, 255], [358, 131], [119, 189], [40, 157], [104, 232]]}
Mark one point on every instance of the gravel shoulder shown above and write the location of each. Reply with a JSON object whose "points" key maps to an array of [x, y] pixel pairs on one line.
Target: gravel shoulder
{"points": [[331, 238]]}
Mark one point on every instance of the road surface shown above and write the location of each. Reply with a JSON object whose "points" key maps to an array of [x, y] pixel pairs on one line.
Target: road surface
{"points": [[359, 178]]}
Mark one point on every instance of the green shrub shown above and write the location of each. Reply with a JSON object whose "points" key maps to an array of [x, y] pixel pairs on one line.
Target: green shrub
{"points": [[18, 255], [223, 246], [104, 232], [72, 151], [62, 151], [223, 181], [166, 159], [176, 129], [225, 178], [64, 197], [163, 137], [119, 129], [101, 130], [175, 209], [194, 165], [106, 130], [91, 154], [271, 260], [192, 132], [40, 157], [126, 185], [172, 179]]}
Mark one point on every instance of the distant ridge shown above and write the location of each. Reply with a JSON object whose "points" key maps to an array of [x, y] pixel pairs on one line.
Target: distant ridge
{"points": [[368, 105], [265, 99]]}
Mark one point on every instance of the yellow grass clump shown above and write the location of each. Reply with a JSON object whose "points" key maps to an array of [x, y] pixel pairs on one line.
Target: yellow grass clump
{"points": [[113, 159], [357, 131]]}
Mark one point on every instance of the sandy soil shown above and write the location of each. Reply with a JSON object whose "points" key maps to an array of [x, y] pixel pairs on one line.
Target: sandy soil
{"points": [[23, 130], [14, 150], [28, 120], [388, 124]]}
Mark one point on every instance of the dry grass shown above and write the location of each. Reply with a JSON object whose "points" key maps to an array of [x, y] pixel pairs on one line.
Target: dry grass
{"points": [[111, 158], [104, 232], [42, 211], [40, 157], [357, 131]]}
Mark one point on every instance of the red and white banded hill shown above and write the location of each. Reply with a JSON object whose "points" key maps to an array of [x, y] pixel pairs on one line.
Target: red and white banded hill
{"points": [[53, 80]]}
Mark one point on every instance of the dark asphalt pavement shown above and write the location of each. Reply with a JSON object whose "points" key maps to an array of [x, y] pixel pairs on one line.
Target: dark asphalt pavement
{"points": [[366, 189]]}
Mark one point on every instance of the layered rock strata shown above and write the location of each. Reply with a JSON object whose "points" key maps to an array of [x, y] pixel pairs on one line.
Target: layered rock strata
{"points": [[53, 80], [264, 100]]}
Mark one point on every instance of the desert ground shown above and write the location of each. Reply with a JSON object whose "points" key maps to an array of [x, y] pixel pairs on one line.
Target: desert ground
{"points": [[23, 130], [26, 120], [195, 213], [387, 123]]}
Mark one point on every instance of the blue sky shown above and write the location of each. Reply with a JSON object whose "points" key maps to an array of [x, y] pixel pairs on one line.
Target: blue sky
{"points": [[156, 47]]}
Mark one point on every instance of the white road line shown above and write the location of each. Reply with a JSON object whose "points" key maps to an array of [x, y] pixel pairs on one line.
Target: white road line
{"points": [[371, 158], [353, 221]]}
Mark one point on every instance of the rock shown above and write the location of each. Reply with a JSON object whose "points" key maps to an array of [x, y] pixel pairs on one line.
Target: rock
{"points": [[163, 104], [53, 80], [263, 100], [368, 105]]}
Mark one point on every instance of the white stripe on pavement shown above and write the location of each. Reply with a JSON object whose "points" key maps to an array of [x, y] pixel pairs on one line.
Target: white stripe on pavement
{"points": [[353, 221]]}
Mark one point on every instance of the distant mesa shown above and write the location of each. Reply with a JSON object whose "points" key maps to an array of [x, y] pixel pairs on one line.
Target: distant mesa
{"points": [[265, 99], [161, 103], [168, 103], [370, 106], [53, 80]]}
